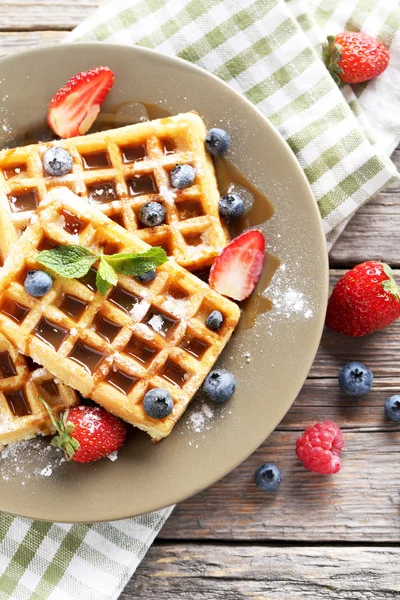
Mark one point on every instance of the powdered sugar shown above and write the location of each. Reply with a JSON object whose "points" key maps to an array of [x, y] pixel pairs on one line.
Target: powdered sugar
{"points": [[21, 461], [288, 301], [157, 322], [199, 418]]}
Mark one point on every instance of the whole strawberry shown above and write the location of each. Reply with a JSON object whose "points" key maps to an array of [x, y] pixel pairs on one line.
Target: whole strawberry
{"points": [[364, 300], [354, 57], [87, 433], [319, 448]]}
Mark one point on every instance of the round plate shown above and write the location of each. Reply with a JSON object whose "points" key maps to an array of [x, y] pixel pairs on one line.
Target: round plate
{"points": [[270, 359]]}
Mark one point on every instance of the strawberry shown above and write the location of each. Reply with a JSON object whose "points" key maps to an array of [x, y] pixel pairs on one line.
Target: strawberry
{"points": [[364, 300], [96, 433], [237, 269], [354, 57], [73, 110]]}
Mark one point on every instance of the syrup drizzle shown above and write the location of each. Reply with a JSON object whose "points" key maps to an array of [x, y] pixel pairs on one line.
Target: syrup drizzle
{"points": [[229, 177]]}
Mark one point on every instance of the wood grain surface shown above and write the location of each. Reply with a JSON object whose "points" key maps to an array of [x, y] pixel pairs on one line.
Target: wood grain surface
{"points": [[248, 572], [316, 538]]}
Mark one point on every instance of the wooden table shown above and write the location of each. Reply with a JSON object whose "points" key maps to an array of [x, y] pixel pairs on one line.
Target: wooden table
{"points": [[319, 538]]}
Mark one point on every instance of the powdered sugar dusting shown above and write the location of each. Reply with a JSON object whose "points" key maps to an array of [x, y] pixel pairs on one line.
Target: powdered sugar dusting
{"points": [[28, 459], [199, 418], [288, 301], [157, 322]]}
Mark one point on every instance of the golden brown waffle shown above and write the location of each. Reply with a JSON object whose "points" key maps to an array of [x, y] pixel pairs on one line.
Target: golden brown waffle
{"points": [[22, 414], [120, 170], [112, 349]]}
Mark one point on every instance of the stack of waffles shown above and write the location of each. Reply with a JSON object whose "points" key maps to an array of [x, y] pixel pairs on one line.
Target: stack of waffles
{"points": [[111, 348]]}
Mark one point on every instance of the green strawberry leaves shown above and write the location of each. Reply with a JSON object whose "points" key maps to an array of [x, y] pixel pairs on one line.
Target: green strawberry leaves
{"points": [[332, 54], [73, 262], [389, 285]]}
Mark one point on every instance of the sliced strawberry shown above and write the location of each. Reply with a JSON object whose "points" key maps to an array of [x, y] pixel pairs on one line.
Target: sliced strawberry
{"points": [[237, 269], [73, 110]]}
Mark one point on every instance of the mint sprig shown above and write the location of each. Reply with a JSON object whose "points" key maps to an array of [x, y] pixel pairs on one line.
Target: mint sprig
{"points": [[74, 262]]}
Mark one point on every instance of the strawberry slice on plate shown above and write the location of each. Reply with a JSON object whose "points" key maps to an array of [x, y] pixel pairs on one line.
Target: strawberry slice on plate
{"points": [[74, 108], [237, 269]]}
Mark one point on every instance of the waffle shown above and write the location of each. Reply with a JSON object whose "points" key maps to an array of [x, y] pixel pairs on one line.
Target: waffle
{"points": [[120, 170], [112, 349], [22, 414]]}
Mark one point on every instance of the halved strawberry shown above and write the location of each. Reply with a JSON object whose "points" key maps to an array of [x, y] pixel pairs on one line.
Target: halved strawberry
{"points": [[73, 110], [237, 269]]}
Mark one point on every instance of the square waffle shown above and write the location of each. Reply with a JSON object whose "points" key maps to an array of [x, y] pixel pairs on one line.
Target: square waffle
{"points": [[118, 171], [22, 414], [112, 348]]}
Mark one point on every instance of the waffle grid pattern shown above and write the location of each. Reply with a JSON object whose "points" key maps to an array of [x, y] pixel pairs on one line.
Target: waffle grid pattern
{"points": [[120, 170], [137, 337], [22, 414]]}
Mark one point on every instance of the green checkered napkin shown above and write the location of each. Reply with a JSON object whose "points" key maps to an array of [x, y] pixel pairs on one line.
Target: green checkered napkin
{"points": [[268, 50]]}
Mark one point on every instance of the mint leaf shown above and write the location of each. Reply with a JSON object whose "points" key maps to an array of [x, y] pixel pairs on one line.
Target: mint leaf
{"points": [[68, 261], [137, 263], [105, 276]]}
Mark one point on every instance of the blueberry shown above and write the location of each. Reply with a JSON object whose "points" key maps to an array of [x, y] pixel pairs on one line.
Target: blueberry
{"points": [[219, 385], [37, 283], [392, 408], [182, 176], [268, 477], [152, 214], [217, 141], [231, 206], [158, 403], [355, 379], [146, 277], [214, 320], [57, 161]]}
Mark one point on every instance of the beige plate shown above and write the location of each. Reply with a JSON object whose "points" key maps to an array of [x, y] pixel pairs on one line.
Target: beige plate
{"points": [[270, 360]]}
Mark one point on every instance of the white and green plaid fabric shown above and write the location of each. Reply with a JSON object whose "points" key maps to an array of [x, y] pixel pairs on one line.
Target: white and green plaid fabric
{"points": [[268, 50]]}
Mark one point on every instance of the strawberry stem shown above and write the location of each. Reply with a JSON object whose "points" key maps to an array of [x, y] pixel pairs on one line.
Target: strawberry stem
{"points": [[63, 440], [389, 285], [332, 54]]}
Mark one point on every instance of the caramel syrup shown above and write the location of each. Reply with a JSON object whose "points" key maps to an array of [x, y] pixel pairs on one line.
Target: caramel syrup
{"points": [[18, 403], [7, 368], [164, 326], [142, 185], [50, 333], [258, 303], [106, 329], [73, 306], [73, 225], [194, 346], [25, 201], [86, 356], [174, 374], [96, 160], [121, 381], [14, 310], [123, 299], [133, 153], [229, 178], [50, 387], [260, 210], [141, 351]]}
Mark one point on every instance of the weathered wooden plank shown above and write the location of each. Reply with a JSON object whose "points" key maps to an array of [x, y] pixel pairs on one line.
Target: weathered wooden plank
{"points": [[23, 15], [361, 503], [22, 40], [214, 572], [322, 399]]}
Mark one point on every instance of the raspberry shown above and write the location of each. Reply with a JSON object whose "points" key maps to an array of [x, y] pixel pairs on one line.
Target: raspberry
{"points": [[319, 448]]}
